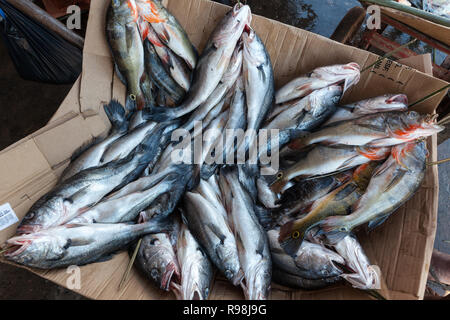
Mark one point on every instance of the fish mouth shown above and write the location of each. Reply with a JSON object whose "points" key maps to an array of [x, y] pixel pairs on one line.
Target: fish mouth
{"points": [[16, 247], [29, 228], [399, 98], [171, 270]]}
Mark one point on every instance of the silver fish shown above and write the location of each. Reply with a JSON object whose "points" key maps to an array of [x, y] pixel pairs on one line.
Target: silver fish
{"points": [[196, 269], [393, 183], [384, 103], [251, 239], [323, 160], [128, 207], [157, 259], [212, 64], [68, 245], [376, 130], [297, 282], [91, 156], [311, 261], [226, 83], [315, 107], [365, 276], [85, 189], [258, 80], [212, 231], [319, 78]]}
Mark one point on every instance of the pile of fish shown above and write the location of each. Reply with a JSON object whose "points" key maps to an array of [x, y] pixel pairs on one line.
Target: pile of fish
{"points": [[342, 167]]}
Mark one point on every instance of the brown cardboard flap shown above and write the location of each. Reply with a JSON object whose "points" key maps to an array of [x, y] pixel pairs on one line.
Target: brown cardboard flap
{"points": [[401, 247]]}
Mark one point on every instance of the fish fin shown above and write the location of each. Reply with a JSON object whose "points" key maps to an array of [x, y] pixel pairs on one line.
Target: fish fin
{"points": [[158, 114], [239, 243], [217, 232], [264, 217], [77, 195], [260, 247], [80, 150], [381, 169], [291, 246], [334, 229], [116, 114], [207, 170], [119, 74], [377, 222], [262, 74], [347, 163], [395, 180], [345, 191]]}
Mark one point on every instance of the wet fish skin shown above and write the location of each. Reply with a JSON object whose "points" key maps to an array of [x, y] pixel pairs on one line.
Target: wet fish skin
{"points": [[251, 239], [310, 261], [376, 130], [258, 79], [322, 160], [391, 185], [122, 147], [317, 79], [196, 269], [293, 281], [128, 207], [308, 112], [384, 103], [168, 29], [212, 64], [158, 74], [213, 233], [92, 155], [365, 276], [68, 245], [337, 202], [157, 259], [226, 83], [85, 189], [125, 43], [235, 121]]}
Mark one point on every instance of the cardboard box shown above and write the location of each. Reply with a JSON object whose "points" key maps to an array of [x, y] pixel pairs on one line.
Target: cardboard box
{"points": [[402, 247]]}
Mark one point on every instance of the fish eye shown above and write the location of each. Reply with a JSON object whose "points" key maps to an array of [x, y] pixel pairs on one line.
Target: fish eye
{"points": [[29, 216], [154, 273], [154, 242], [295, 234]]}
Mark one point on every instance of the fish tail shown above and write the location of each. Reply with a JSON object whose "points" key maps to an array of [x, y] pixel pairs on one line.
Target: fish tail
{"points": [[291, 237], [159, 114], [116, 114], [207, 171], [334, 228], [157, 224]]}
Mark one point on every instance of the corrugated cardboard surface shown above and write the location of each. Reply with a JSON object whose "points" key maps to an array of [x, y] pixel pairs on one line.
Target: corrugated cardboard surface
{"points": [[29, 168]]}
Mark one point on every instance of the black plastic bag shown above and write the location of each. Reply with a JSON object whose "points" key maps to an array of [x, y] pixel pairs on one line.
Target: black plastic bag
{"points": [[37, 53]]}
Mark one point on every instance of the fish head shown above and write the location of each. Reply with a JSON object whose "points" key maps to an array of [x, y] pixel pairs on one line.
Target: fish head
{"points": [[411, 125], [43, 214], [159, 260], [33, 249], [320, 261], [254, 49], [258, 280], [389, 102], [234, 22], [346, 74], [329, 96]]}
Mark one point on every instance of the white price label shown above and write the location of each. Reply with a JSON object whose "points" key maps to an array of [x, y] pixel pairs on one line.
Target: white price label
{"points": [[7, 216]]}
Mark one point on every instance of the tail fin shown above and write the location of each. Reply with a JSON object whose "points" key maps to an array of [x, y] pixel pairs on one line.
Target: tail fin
{"points": [[264, 217], [159, 114], [116, 114], [334, 229], [157, 224]]}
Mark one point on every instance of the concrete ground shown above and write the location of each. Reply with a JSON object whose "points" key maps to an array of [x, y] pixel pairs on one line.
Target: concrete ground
{"points": [[27, 106]]}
